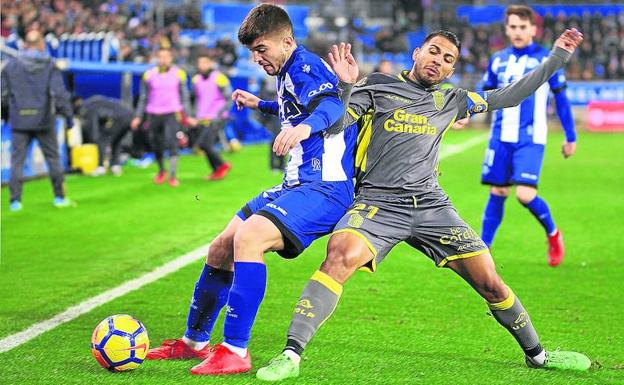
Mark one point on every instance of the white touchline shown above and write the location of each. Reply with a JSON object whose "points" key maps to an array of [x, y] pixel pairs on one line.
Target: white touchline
{"points": [[17, 339], [452, 149]]}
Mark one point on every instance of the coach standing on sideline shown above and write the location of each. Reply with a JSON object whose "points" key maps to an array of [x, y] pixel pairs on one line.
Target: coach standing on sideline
{"points": [[33, 89]]}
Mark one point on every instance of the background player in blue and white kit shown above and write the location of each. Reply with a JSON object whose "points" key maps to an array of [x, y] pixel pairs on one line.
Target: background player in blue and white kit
{"points": [[315, 193], [516, 149]]}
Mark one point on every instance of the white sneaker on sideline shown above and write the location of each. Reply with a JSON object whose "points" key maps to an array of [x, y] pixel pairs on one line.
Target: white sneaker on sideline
{"points": [[99, 171], [116, 170]]}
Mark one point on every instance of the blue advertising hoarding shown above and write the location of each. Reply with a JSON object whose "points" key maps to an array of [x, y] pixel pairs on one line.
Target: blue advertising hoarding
{"points": [[35, 163]]}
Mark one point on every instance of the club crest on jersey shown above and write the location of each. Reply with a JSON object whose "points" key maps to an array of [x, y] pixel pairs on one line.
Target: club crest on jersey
{"points": [[306, 68], [438, 99], [316, 164], [355, 220]]}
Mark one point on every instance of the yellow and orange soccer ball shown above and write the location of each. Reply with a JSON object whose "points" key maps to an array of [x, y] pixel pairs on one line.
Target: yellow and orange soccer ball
{"points": [[120, 343]]}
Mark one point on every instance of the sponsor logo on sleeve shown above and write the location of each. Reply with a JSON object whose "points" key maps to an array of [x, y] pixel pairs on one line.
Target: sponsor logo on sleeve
{"points": [[323, 87]]}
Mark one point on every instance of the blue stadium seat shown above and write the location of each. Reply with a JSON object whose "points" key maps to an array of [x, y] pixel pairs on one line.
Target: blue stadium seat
{"points": [[415, 39], [367, 40]]}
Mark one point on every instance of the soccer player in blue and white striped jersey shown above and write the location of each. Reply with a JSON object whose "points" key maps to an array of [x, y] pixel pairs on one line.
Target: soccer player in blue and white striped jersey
{"points": [[516, 149], [316, 191]]}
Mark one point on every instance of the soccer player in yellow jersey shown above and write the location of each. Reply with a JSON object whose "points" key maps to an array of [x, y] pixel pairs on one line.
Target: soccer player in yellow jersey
{"points": [[402, 120]]}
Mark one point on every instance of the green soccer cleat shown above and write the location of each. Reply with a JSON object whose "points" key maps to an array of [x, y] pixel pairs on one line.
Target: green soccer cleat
{"points": [[279, 368], [563, 361]]}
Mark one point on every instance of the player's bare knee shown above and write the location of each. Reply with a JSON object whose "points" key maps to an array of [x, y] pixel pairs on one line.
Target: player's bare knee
{"points": [[525, 194], [243, 240], [500, 191], [342, 261], [220, 252], [493, 288]]}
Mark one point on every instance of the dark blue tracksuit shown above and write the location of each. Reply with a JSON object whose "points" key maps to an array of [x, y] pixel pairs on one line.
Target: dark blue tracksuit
{"points": [[33, 90]]}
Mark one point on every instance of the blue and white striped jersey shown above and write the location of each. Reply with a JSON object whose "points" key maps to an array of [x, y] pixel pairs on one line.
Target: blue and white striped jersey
{"points": [[525, 123], [303, 79]]}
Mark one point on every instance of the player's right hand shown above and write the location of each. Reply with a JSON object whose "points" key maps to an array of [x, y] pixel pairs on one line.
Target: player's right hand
{"points": [[343, 63], [461, 123], [568, 149], [135, 124], [569, 40], [245, 99]]}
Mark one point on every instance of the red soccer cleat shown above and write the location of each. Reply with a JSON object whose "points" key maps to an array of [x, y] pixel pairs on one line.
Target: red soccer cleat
{"points": [[220, 172], [176, 350], [556, 250], [160, 177], [174, 182], [223, 361]]}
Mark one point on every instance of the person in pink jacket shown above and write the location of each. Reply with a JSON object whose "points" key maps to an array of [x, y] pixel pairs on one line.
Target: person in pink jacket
{"points": [[212, 92], [164, 97]]}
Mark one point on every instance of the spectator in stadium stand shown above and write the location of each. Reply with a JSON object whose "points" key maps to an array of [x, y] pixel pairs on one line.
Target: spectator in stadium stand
{"points": [[391, 40], [385, 67], [164, 97], [227, 52], [104, 121], [213, 101], [31, 87]]}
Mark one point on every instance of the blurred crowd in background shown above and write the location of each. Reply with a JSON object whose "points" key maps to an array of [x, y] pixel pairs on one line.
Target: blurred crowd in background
{"points": [[378, 29]]}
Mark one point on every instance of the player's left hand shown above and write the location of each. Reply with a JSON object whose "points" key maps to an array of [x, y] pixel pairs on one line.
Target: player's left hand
{"points": [[568, 149], [289, 138], [343, 63], [569, 40]]}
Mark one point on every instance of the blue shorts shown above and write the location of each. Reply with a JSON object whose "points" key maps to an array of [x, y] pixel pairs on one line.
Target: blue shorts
{"points": [[302, 213], [508, 164]]}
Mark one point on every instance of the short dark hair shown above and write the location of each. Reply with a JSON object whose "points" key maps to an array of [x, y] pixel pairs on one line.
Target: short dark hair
{"points": [[264, 19], [205, 53], [522, 11], [448, 35]]}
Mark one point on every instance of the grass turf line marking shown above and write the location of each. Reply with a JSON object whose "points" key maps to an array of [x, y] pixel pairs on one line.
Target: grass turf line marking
{"points": [[452, 149], [14, 340]]}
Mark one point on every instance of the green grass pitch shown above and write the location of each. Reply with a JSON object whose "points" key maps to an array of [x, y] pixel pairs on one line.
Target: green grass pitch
{"points": [[409, 323]]}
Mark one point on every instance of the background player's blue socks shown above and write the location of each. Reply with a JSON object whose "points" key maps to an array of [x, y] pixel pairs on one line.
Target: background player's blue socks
{"points": [[540, 210], [245, 297], [492, 217], [209, 297]]}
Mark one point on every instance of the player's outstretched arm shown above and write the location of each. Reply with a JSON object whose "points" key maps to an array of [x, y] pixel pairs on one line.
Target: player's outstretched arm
{"points": [[516, 92], [346, 68]]}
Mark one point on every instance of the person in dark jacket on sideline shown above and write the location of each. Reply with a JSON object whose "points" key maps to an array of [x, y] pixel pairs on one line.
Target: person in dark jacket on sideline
{"points": [[33, 91], [104, 121]]}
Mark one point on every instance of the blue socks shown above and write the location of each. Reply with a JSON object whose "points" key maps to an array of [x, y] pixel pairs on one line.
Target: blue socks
{"points": [[492, 218], [540, 210], [210, 295], [245, 298]]}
